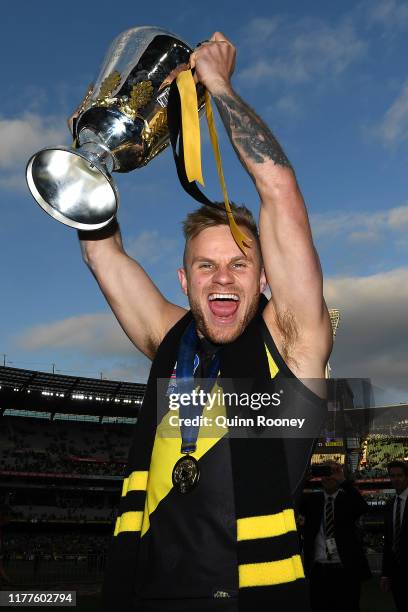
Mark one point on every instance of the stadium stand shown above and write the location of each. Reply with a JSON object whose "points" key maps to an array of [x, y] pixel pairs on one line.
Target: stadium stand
{"points": [[63, 447]]}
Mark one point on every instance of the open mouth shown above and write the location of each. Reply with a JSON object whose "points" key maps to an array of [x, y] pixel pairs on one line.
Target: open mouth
{"points": [[223, 305]]}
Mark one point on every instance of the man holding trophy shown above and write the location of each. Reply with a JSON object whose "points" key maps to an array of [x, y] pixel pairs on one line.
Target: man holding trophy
{"points": [[208, 524]]}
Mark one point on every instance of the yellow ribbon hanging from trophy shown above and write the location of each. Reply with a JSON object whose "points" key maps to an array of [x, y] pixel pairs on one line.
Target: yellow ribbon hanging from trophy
{"points": [[192, 147]]}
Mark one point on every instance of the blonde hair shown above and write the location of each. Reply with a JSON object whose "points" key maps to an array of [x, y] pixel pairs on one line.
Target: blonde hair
{"points": [[208, 216]]}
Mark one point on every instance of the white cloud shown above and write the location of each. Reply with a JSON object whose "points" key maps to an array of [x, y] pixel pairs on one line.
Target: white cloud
{"points": [[390, 14], [96, 334], [371, 341], [359, 226], [299, 51], [20, 137], [364, 237], [398, 218], [135, 372], [14, 182], [96, 340], [260, 30], [150, 246], [288, 105], [393, 128], [372, 338]]}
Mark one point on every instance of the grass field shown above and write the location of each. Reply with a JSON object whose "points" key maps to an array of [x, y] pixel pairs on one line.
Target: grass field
{"points": [[88, 598], [373, 600]]}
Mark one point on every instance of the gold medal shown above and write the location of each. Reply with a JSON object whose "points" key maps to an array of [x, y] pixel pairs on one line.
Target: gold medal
{"points": [[186, 474]]}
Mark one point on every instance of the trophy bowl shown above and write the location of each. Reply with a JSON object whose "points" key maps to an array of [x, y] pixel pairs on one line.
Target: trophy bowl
{"points": [[120, 125]]}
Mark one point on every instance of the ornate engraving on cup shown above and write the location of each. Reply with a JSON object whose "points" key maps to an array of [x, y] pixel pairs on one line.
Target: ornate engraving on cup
{"points": [[108, 86], [141, 94], [156, 129]]}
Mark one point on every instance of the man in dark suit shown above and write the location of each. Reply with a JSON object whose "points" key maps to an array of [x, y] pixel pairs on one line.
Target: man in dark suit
{"points": [[395, 558], [334, 559]]}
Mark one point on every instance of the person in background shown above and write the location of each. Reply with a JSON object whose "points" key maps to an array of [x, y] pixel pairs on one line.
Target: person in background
{"points": [[334, 558], [395, 557]]}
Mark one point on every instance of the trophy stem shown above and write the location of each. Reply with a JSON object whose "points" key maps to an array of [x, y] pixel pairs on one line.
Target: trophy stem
{"points": [[98, 156]]}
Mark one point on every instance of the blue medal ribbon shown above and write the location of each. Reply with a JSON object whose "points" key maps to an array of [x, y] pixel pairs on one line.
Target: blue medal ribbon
{"points": [[186, 360]]}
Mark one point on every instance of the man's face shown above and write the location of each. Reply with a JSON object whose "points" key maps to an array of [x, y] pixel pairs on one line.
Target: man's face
{"points": [[222, 285], [329, 483], [399, 479]]}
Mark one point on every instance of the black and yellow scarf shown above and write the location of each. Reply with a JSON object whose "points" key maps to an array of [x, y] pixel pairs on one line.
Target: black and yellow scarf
{"points": [[270, 571]]}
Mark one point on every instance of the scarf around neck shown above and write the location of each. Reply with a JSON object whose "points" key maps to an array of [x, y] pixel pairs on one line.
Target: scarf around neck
{"points": [[270, 571]]}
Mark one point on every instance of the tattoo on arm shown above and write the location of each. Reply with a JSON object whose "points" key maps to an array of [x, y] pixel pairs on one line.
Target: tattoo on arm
{"points": [[249, 135]]}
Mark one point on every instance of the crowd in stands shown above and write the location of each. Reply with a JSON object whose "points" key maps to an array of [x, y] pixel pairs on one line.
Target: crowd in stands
{"points": [[60, 505], [34, 514], [84, 448], [33, 461], [52, 545], [68, 447]]}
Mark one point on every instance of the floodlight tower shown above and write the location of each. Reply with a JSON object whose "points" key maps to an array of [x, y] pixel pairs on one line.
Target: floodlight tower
{"points": [[334, 320]]}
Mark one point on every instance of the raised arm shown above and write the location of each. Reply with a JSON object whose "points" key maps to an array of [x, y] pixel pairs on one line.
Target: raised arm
{"points": [[142, 311], [296, 314]]}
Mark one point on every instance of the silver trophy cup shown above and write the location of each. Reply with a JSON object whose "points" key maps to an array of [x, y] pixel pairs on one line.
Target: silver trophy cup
{"points": [[120, 126]]}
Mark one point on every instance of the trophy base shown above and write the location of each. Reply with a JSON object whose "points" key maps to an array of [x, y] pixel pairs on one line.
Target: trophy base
{"points": [[73, 186]]}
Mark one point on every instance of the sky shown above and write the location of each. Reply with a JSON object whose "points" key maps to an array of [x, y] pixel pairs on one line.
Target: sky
{"points": [[329, 79]]}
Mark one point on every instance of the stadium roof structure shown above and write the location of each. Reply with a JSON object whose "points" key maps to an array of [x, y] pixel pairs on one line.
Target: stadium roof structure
{"points": [[42, 391]]}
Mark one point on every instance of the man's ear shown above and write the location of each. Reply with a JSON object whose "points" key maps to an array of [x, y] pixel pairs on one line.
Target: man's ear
{"points": [[183, 280], [262, 281]]}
